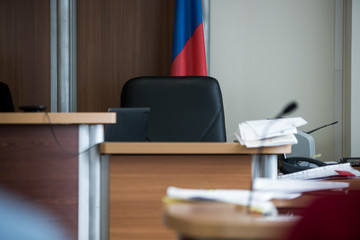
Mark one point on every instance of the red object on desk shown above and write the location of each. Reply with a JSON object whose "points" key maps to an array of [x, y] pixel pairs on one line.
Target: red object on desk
{"points": [[330, 218], [345, 173]]}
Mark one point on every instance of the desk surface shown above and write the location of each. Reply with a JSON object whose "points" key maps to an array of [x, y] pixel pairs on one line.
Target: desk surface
{"points": [[57, 118], [223, 221], [186, 148], [297, 205]]}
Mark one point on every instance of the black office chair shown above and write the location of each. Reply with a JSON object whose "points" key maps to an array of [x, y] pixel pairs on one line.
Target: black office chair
{"points": [[6, 103], [182, 109]]}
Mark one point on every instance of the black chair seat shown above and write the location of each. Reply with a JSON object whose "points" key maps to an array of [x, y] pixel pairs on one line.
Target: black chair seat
{"points": [[183, 109], [6, 103]]}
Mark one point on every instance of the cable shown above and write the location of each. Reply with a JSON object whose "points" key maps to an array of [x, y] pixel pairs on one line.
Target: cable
{"points": [[58, 142]]}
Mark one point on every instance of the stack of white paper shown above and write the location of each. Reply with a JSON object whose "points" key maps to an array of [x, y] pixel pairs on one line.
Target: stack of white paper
{"points": [[295, 185], [272, 132], [324, 172], [260, 201]]}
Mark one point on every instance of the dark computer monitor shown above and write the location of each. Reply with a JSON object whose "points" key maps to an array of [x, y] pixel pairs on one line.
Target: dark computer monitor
{"points": [[131, 125]]}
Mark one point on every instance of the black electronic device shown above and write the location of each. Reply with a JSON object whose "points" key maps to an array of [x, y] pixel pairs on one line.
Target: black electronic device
{"points": [[296, 164], [354, 162], [33, 108], [131, 125], [298, 160]]}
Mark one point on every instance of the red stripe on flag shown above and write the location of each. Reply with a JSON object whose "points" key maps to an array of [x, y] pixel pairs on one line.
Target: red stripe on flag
{"points": [[191, 61]]}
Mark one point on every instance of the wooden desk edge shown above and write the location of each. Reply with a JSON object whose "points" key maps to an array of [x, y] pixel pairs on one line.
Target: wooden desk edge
{"points": [[208, 222], [186, 148], [58, 118]]}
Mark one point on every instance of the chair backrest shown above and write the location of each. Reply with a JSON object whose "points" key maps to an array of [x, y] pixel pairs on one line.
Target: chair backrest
{"points": [[183, 109], [6, 103]]}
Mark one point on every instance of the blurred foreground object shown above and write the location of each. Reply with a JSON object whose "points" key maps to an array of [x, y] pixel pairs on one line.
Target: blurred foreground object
{"points": [[331, 218], [21, 220]]}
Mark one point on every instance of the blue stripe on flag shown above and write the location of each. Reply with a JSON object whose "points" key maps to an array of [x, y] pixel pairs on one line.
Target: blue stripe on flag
{"points": [[188, 17]]}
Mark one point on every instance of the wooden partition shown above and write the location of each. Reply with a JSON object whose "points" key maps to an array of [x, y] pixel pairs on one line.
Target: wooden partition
{"points": [[118, 40], [25, 50], [44, 163], [140, 173]]}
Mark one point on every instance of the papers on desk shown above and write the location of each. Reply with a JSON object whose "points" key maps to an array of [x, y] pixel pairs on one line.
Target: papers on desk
{"points": [[274, 132], [325, 172], [296, 186], [260, 201], [264, 190]]}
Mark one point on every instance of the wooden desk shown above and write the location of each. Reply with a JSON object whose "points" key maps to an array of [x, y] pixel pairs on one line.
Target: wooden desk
{"points": [[203, 220], [298, 206], [222, 221], [140, 173], [66, 183]]}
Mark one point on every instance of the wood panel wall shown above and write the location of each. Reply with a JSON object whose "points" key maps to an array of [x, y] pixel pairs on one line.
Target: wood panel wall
{"points": [[34, 168], [25, 50], [118, 40]]}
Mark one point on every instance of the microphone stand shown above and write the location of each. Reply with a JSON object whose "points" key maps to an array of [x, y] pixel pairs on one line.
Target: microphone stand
{"points": [[288, 109]]}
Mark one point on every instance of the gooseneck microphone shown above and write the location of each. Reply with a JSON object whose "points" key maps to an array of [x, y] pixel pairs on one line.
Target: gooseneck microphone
{"points": [[326, 125], [289, 108]]}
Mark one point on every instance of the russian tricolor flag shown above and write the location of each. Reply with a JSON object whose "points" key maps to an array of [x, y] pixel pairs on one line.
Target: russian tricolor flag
{"points": [[188, 53]]}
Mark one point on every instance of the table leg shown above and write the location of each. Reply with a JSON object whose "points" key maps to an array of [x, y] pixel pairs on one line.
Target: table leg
{"points": [[265, 166]]}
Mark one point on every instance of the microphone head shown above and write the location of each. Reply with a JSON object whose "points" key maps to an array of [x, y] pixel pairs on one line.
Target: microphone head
{"points": [[288, 109]]}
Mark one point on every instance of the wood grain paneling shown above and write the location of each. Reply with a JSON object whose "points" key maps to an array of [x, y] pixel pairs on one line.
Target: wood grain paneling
{"points": [[118, 40], [139, 182], [25, 50], [33, 166]]}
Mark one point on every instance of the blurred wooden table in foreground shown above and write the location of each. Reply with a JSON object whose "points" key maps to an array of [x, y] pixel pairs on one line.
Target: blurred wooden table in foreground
{"points": [[223, 221], [205, 220]]}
